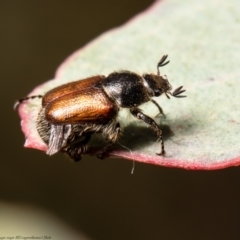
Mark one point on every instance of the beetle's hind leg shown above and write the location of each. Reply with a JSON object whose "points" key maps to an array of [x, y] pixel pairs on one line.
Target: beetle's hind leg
{"points": [[76, 148], [19, 101], [112, 137]]}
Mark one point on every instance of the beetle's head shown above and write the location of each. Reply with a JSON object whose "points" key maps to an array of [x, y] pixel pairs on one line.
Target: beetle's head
{"points": [[156, 84]]}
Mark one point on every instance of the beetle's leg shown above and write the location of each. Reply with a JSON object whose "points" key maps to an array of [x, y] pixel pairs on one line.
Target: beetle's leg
{"points": [[75, 149], [112, 139], [25, 99], [159, 108], [139, 115]]}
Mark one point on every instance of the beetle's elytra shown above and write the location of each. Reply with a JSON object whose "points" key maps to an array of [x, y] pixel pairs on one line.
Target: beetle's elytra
{"points": [[73, 112]]}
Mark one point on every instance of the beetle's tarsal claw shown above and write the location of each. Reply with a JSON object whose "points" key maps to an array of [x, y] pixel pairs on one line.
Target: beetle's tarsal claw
{"points": [[161, 153]]}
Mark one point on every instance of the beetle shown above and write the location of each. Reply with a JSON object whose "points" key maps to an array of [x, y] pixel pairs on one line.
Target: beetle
{"points": [[71, 113]]}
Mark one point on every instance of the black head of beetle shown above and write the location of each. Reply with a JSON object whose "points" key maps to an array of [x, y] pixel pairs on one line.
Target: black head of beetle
{"points": [[73, 112]]}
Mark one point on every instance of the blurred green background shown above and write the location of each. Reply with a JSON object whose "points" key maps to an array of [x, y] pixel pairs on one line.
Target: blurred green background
{"points": [[98, 199]]}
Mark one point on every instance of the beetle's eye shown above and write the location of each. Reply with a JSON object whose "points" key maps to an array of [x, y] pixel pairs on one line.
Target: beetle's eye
{"points": [[157, 93]]}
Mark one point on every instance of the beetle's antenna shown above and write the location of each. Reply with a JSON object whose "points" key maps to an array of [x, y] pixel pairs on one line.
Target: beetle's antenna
{"points": [[176, 93], [25, 99], [162, 63]]}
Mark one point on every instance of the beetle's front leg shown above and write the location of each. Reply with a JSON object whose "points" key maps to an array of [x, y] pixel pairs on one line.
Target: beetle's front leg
{"points": [[139, 115], [159, 108]]}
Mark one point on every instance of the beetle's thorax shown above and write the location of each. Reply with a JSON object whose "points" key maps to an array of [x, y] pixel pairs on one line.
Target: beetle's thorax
{"points": [[126, 89]]}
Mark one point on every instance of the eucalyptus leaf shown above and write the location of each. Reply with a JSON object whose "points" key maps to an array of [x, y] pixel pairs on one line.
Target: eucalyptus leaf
{"points": [[202, 39]]}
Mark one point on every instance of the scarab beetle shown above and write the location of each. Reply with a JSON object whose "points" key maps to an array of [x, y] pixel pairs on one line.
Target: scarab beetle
{"points": [[73, 112]]}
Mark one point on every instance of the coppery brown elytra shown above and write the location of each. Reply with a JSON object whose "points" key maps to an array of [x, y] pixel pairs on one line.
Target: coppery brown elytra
{"points": [[71, 113]]}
